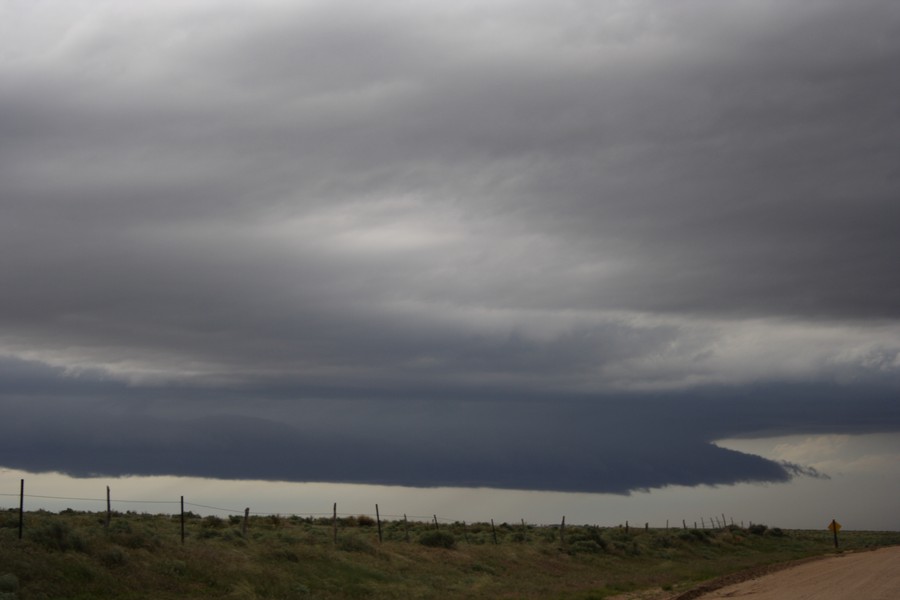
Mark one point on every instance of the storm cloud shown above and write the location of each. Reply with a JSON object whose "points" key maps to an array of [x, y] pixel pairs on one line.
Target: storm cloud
{"points": [[433, 244]]}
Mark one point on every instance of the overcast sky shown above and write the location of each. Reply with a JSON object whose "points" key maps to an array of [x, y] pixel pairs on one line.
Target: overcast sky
{"points": [[538, 245]]}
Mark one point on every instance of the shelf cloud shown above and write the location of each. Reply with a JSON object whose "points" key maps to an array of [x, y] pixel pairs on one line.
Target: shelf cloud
{"points": [[522, 245]]}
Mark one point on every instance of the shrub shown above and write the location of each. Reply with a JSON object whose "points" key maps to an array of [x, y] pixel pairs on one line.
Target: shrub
{"points": [[694, 535], [587, 539], [664, 541], [757, 529], [777, 532], [518, 536], [56, 535], [365, 521], [437, 539], [585, 547], [212, 522]]}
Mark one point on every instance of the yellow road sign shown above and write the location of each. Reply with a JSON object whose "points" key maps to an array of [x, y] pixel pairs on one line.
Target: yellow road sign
{"points": [[834, 526]]}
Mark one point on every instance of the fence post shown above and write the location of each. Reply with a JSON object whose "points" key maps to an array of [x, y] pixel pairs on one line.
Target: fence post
{"points": [[436, 526], [108, 509], [21, 507], [406, 527], [378, 520], [244, 524], [182, 520], [562, 531], [494, 532]]}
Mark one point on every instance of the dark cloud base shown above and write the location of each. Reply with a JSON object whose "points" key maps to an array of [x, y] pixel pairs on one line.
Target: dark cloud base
{"points": [[612, 444]]}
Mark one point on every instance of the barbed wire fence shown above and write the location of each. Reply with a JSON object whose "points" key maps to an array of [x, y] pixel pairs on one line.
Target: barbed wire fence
{"points": [[714, 522]]}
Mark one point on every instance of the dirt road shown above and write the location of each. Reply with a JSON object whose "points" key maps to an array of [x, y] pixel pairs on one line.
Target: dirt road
{"points": [[859, 576]]}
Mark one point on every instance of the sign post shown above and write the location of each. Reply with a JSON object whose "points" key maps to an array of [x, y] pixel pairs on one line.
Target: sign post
{"points": [[834, 526]]}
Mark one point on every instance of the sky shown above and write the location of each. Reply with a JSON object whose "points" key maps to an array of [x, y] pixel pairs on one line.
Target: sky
{"points": [[585, 249]]}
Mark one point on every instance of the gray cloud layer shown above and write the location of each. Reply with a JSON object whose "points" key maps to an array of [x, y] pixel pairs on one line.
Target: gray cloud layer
{"points": [[412, 200], [573, 443]]}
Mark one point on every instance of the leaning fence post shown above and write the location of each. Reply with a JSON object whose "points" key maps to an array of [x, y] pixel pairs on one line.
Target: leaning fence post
{"points": [[436, 526]]}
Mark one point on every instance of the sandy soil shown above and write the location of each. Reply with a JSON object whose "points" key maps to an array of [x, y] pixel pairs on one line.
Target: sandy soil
{"points": [[859, 576]]}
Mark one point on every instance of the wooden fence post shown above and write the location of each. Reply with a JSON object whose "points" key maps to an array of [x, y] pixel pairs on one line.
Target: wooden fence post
{"points": [[436, 526], [562, 531], [21, 507], [246, 519], [406, 527], [182, 520], [494, 532], [334, 523], [108, 509], [378, 520]]}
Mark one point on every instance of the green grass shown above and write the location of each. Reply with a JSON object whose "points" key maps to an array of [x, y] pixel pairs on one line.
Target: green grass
{"points": [[72, 555]]}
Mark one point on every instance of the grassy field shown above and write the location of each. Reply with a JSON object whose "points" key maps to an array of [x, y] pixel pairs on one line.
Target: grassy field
{"points": [[72, 555]]}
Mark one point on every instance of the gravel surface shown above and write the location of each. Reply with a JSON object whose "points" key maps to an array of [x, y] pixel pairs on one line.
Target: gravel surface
{"points": [[858, 576]]}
